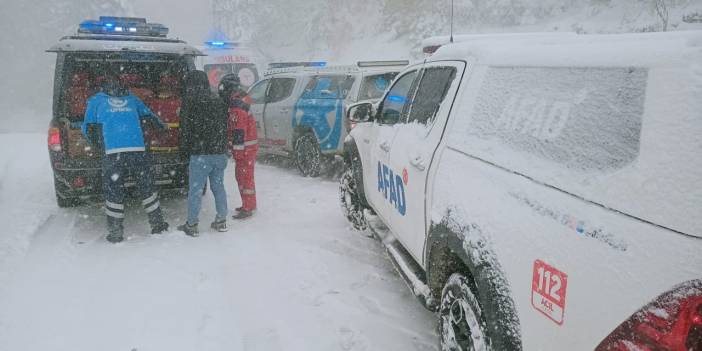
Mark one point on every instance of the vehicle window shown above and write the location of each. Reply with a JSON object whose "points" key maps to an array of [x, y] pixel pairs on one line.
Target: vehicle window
{"points": [[328, 87], [579, 118], [432, 90], [145, 75], [394, 105], [374, 86], [280, 89], [258, 92]]}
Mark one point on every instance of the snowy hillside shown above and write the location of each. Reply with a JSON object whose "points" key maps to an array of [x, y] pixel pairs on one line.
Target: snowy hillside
{"points": [[367, 29], [333, 30]]}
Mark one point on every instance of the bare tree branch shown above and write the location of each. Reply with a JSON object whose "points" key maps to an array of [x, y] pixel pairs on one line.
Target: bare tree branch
{"points": [[662, 12]]}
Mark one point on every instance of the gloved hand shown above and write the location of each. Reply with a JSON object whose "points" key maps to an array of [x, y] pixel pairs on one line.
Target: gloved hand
{"points": [[152, 122], [159, 124]]}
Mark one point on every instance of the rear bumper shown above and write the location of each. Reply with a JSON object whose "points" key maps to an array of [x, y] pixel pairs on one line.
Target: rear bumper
{"points": [[83, 178]]}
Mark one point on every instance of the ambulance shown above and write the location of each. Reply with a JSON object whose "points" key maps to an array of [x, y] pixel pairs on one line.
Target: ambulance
{"points": [[227, 57]]}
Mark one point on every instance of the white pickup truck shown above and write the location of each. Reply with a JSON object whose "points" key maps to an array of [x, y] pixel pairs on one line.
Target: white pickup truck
{"points": [[544, 193]]}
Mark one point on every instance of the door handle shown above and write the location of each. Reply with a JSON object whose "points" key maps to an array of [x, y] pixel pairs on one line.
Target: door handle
{"points": [[367, 141], [284, 110], [417, 162], [385, 146]]}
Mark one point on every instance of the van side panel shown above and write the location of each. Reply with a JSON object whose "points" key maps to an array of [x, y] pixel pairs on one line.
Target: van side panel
{"points": [[576, 269]]}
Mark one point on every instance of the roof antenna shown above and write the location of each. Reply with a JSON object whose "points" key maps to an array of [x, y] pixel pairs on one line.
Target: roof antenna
{"points": [[451, 38]]}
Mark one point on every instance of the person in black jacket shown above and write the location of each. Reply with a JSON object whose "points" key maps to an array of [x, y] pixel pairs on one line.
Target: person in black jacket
{"points": [[203, 123]]}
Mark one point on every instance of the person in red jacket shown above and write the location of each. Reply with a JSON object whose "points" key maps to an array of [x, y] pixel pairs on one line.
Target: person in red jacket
{"points": [[243, 141]]}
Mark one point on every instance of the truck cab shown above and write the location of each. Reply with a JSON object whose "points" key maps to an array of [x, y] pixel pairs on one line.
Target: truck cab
{"points": [[151, 65]]}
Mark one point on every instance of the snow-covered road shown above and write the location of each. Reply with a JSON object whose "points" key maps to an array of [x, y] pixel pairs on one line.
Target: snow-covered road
{"points": [[294, 277]]}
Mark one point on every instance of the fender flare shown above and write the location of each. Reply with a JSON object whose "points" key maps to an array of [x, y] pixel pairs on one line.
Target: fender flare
{"points": [[452, 240]]}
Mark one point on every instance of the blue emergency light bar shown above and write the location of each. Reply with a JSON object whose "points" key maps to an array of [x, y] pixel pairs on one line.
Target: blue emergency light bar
{"points": [[133, 26], [219, 44], [275, 65]]}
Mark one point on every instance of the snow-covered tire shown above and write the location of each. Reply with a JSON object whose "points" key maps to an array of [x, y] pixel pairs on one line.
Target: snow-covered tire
{"points": [[308, 156], [461, 322], [350, 200]]}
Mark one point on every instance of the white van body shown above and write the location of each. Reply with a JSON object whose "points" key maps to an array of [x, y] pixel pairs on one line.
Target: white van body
{"points": [[570, 165]]}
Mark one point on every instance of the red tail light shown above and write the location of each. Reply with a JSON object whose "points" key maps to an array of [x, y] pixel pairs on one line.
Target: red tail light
{"points": [[54, 139], [672, 322]]}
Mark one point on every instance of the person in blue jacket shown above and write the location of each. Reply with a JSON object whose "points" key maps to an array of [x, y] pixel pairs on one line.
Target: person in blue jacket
{"points": [[115, 116]]}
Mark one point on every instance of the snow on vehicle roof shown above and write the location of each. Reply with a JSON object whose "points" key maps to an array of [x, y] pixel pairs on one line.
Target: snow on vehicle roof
{"points": [[102, 43], [633, 49], [340, 69]]}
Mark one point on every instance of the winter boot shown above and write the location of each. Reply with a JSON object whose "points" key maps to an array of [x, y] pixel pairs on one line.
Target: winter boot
{"points": [[152, 206], [243, 214], [189, 229], [159, 228], [116, 231], [115, 238], [219, 225]]}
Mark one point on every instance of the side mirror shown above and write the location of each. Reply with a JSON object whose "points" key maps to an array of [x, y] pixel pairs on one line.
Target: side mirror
{"points": [[360, 112]]}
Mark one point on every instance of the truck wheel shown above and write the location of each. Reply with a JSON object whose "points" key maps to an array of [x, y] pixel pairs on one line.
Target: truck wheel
{"points": [[461, 322], [350, 201], [308, 156]]}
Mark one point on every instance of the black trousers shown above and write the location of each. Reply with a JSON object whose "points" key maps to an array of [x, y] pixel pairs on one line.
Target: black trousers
{"points": [[116, 168]]}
